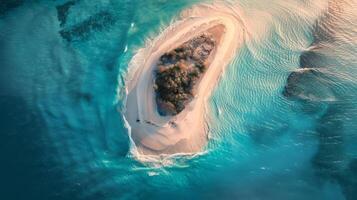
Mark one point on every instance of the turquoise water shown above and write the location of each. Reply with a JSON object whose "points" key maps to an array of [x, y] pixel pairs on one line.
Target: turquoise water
{"points": [[62, 90]]}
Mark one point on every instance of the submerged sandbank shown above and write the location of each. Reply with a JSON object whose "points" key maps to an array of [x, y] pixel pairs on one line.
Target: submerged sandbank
{"points": [[186, 132]]}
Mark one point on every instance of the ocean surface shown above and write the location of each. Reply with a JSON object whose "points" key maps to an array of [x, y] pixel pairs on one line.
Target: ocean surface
{"points": [[63, 66]]}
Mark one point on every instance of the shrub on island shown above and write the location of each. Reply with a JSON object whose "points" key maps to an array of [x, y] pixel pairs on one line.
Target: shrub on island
{"points": [[179, 71]]}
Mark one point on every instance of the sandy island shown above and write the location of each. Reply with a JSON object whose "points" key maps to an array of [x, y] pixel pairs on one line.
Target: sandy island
{"points": [[185, 132]]}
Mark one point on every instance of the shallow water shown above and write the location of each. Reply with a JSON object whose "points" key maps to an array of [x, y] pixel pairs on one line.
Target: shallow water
{"points": [[62, 91]]}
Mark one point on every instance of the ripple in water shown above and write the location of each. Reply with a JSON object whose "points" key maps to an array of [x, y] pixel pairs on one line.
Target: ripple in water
{"points": [[62, 131]]}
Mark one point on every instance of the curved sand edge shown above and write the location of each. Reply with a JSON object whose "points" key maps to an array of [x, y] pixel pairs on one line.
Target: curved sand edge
{"points": [[186, 132]]}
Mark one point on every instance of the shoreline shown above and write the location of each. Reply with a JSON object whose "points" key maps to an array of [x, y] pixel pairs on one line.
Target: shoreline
{"points": [[185, 132]]}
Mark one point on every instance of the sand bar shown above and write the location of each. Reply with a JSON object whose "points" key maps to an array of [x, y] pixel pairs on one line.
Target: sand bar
{"points": [[185, 132]]}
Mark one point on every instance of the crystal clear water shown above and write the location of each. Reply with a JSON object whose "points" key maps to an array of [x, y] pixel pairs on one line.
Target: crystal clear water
{"points": [[62, 91]]}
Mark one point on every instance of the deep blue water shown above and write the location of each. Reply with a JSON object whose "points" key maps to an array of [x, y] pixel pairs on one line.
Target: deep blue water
{"points": [[62, 88]]}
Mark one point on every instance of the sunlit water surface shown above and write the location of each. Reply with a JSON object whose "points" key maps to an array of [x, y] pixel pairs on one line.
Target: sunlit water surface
{"points": [[62, 91]]}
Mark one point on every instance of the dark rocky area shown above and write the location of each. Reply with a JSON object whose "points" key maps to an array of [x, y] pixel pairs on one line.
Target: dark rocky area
{"points": [[298, 82], [62, 11], [7, 5], [178, 71], [81, 31], [332, 161]]}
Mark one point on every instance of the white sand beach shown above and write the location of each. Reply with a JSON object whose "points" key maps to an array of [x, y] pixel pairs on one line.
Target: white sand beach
{"points": [[185, 132]]}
